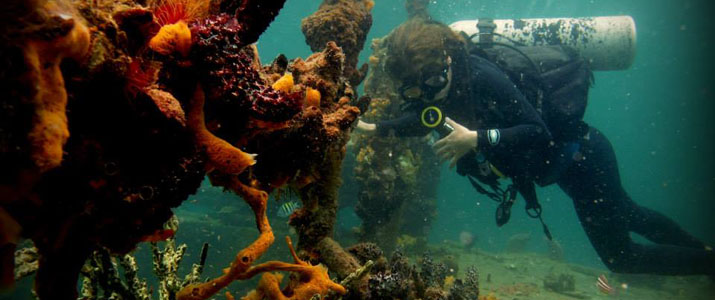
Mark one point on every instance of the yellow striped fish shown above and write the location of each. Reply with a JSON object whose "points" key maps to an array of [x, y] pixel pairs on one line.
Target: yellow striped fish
{"points": [[286, 209]]}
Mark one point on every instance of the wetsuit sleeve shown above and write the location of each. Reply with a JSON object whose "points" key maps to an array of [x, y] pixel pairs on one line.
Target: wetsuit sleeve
{"points": [[520, 126], [407, 125]]}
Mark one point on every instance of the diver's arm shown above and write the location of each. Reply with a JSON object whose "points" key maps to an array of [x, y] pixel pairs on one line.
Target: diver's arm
{"points": [[523, 127], [409, 125]]}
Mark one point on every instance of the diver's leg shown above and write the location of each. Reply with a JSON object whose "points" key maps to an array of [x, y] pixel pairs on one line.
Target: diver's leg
{"points": [[658, 228], [604, 210]]}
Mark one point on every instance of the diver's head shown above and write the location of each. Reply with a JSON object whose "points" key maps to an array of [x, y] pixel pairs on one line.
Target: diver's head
{"points": [[430, 87], [419, 59]]}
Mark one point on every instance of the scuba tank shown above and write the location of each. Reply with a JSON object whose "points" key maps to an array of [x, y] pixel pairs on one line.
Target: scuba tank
{"points": [[606, 43]]}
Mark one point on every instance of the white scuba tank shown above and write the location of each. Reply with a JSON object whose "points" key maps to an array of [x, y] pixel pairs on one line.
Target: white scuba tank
{"points": [[607, 43]]}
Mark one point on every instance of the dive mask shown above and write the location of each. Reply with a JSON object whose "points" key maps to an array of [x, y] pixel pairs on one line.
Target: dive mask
{"points": [[426, 89]]}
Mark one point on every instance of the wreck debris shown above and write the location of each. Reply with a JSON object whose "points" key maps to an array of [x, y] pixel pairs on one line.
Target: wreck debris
{"points": [[345, 22]]}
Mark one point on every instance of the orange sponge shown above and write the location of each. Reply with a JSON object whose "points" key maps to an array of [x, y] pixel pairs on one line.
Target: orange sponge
{"points": [[172, 38], [222, 156], [43, 58], [312, 97], [284, 84]]}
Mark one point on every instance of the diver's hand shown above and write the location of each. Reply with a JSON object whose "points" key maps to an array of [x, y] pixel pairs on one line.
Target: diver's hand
{"points": [[365, 128], [456, 144]]}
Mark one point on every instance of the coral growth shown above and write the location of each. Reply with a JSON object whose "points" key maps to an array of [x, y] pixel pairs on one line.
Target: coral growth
{"points": [[162, 94], [239, 268], [311, 280], [222, 156], [226, 70], [172, 38], [365, 251], [346, 22], [312, 97], [403, 281]]}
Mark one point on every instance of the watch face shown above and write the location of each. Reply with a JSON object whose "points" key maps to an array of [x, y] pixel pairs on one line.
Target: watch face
{"points": [[493, 136], [432, 117]]}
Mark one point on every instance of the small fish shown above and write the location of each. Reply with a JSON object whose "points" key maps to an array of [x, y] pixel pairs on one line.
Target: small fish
{"points": [[603, 286], [288, 208], [159, 235]]}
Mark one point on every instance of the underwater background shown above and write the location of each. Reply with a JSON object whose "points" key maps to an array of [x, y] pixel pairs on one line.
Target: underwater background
{"points": [[658, 115]]}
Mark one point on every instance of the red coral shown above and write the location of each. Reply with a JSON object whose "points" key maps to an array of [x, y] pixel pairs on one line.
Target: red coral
{"points": [[227, 71]]}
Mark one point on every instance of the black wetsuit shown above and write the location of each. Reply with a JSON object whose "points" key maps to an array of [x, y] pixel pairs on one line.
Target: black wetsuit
{"points": [[590, 177]]}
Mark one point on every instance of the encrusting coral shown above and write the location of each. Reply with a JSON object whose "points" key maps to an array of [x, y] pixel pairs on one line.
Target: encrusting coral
{"points": [[345, 22]]}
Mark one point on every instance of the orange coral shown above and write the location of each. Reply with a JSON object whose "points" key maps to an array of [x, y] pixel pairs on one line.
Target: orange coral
{"points": [[369, 4], [222, 156], [258, 201], [173, 16], [49, 130], [172, 38], [312, 280], [169, 12], [229, 296], [312, 97], [284, 84]]}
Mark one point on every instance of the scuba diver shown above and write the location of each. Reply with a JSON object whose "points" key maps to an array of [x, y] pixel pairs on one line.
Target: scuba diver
{"points": [[493, 130]]}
